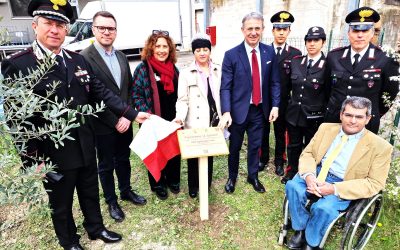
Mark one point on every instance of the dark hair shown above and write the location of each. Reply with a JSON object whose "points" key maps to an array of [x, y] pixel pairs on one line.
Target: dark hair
{"points": [[104, 14], [148, 49], [357, 102]]}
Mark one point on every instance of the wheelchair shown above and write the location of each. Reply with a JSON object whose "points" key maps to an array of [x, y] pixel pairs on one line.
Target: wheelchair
{"points": [[358, 222]]}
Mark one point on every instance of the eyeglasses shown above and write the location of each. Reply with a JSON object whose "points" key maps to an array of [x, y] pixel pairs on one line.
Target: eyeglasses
{"points": [[160, 32], [103, 29], [351, 116]]}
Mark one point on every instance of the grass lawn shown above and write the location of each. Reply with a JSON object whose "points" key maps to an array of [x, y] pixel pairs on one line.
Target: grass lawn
{"points": [[242, 220]]}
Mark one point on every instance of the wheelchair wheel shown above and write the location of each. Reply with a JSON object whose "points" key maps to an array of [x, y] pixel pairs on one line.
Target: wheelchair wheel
{"points": [[361, 229], [286, 225]]}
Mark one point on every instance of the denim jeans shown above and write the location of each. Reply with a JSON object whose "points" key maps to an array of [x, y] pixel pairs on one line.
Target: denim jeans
{"points": [[316, 221]]}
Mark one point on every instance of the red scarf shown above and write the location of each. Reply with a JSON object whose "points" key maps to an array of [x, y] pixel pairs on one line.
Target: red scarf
{"points": [[166, 70]]}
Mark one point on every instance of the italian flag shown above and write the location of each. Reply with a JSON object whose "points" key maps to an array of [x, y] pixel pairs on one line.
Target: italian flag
{"points": [[156, 143]]}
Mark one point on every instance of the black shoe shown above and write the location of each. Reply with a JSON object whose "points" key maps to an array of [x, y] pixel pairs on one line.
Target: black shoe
{"points": [[116, 212], [74, 247], [133, 197], [261, 166], [279, 170], [287, 177], [106, 236], [297, 240], [230, 186], [308, 247], [174, 188], [193, 193], [256, 185], [161, 192]]}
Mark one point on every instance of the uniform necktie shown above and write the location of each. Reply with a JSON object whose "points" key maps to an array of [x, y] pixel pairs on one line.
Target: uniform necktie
{"points": [[61, 64], [278, 50], [356, 56], [309, 65], [256, 93], [329, 160]]}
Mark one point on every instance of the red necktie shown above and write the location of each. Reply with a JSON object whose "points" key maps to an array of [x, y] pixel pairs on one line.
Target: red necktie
{"points": [[256, 94]]}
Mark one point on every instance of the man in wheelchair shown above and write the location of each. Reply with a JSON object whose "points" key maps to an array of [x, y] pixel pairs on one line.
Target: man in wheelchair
{"points": [[343, 162]]}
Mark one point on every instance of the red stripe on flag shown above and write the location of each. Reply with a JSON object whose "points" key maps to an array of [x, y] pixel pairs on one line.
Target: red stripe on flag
{"points": [[166, 149]]}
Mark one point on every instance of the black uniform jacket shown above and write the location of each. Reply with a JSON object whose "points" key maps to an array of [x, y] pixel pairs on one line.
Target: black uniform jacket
{"points": [[309, 95], [106, 121], [82, 87], [284, 61], [372, 77]]}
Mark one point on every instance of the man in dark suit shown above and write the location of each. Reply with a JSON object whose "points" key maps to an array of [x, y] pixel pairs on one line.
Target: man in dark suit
{"points": [[75, 161], [112, 143], [361, 69], [249, 85], [281, 22]]}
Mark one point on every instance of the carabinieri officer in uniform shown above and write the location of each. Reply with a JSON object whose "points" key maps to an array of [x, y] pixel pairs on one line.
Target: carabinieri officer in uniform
{"points": [[75, 162], [307, 104], [361, 69], [281, 22]]}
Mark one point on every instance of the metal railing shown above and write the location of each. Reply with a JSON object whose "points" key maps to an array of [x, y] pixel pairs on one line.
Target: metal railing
{"points": [[14, 39]]}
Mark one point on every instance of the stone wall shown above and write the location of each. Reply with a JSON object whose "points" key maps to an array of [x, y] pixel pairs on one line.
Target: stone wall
{"points": [[329, 14]]}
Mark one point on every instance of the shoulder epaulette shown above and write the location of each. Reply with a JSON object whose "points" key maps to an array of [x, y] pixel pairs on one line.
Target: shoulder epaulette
{"points": [[71, 51], [298, 56], [18, 53], [339, 48], [294, 48]]}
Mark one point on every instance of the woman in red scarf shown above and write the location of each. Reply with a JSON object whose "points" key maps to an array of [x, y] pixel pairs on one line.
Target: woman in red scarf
{"points": [[154, 90]]}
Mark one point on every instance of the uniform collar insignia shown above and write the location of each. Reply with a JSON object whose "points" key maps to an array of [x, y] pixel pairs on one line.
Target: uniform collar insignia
{"points": [[67, 54], [321, 63], [37, 51], [302, 61], [371, 53], [345, 53]]}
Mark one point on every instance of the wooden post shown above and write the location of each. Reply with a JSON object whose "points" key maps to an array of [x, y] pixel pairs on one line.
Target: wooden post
{"points": [[200, 143], [203, 187]]}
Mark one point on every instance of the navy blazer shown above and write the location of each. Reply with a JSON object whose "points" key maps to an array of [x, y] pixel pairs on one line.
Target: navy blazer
{"points": [[236, 82]]}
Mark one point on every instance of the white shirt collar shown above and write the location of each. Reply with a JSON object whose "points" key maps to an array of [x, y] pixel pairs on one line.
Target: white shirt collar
{"points": [[100, 48], [277, 45], [361, 53], [250, 49], [315, 58]]}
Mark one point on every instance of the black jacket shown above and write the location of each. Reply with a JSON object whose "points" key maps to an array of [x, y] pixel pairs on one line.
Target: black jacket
{"points": [[371, 78], [83, 87], [284, 61], [309, 96], [106, 121]]}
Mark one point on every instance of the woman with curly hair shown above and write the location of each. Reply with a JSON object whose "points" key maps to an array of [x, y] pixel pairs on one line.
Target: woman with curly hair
{"points": [[154, 90]]}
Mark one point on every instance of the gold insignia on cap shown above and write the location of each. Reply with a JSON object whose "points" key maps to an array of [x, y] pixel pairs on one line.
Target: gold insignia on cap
{"points": [[365, 13], [58, 2], [284, 15]]}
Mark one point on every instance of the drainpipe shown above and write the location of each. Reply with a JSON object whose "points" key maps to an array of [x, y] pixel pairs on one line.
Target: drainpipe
{"points": [[206, 14], [260, 6]]}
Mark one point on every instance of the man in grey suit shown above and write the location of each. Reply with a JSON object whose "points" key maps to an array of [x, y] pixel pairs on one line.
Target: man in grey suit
{"points": [[113, 134]]}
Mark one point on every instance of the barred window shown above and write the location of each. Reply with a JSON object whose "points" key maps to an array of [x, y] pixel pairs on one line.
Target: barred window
{"points": [[19, 8]]}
